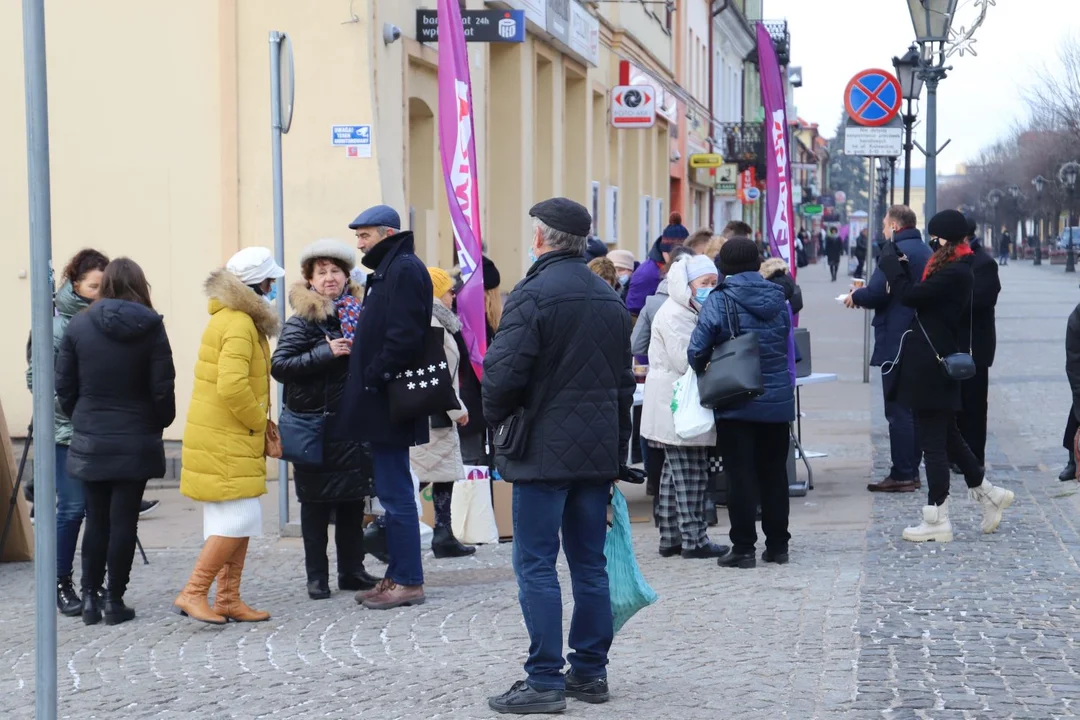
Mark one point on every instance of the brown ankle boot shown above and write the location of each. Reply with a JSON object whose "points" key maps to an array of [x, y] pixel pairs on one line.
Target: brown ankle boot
{"points": [[227, 602], [192, 602]]}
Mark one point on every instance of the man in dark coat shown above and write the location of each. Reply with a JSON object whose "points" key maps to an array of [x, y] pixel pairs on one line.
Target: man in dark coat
{"points": [[1003, 246], [558, 387], [979, 331], [389, 339], [834, 248], [891, 320]]}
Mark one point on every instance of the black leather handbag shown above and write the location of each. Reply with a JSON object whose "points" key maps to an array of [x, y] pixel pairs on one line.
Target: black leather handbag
{"points": [[426, 388], [733, 375], [957, 366]]}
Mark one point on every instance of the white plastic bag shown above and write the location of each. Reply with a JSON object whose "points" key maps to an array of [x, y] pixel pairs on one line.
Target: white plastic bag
{"points": [[471, 514], [691, 419]]}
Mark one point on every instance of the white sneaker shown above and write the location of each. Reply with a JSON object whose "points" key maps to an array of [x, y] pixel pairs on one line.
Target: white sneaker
{"points": [[935, 525], [993, 500]]}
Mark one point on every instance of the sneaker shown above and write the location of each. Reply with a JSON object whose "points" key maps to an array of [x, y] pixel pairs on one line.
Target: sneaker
{"points": [[390, 595], [994, 500], [935, 525], [590, 691], [708, 550], [521, 699], [147, 506]]}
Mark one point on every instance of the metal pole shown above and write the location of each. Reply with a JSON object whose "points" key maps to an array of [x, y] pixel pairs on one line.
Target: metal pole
{"points": [[1038, 233], [41, 314], [1070, 257], [931, 147], [909, 123], [279, 240], [892, 181], [869, 271]]}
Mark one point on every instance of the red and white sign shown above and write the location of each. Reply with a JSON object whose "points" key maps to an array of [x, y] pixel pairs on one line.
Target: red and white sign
{"points": [[633, 106], [747, 191]]}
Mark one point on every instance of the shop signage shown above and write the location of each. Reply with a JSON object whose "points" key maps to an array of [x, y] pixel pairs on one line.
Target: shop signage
{"points": [[703, 176], [667, 105], [584, 34], [747, 191], [812, 210], [706, 160], [633, 106], [558, 20], [727, 180], [490, 26], [535, 10]]}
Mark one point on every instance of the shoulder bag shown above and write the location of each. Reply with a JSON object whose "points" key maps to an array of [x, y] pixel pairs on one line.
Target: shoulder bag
{"points": [[957, 366], [426, 388], [733, 375], [302, 434]]}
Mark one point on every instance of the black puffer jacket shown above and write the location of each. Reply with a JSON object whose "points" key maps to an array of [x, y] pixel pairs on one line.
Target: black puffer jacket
{"points": [[114, 379], [580, 349], [314, 382]]}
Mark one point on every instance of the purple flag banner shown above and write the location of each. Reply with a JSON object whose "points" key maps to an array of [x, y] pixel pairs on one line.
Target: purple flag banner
{"points": [[780, 212], [457, 145]]}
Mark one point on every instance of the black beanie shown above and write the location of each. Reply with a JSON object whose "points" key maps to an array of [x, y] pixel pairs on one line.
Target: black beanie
{"points": [[949, 225], [492, 279], [739, 255]]}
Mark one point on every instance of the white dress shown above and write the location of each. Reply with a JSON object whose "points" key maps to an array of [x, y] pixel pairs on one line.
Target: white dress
{"points": [[233, 518]]}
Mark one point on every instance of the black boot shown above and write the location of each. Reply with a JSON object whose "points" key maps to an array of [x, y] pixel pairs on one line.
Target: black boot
{"points": [[375, 542], [738, 560], [357, 580], [445, 545], [68, 601], [318, 587], [1069, 473], [91, 607], [116, 611]]}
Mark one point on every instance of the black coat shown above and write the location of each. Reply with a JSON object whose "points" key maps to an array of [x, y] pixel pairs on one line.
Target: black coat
{"points": [[940, 301], [389, 339], [114, 379], [1072, 364], [580, 429], [469, 391], [834, 248], [982, 335], [314, 383]]}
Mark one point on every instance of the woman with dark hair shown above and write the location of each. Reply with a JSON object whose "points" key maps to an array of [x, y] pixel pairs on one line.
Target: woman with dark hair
{"points": [[941, 301], [114, 379], [81, 285]]}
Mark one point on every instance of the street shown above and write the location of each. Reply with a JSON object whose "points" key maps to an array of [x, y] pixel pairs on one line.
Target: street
{"points": [[860, 625]]}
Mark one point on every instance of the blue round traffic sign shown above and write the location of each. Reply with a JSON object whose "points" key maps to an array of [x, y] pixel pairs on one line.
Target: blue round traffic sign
{"points": [[873, 98]]}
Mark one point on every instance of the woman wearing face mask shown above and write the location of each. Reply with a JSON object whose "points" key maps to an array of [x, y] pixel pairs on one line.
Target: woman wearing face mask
{"points": [[312, 361], [224, 462], [685, 475], [624, 263], [82, 284]]}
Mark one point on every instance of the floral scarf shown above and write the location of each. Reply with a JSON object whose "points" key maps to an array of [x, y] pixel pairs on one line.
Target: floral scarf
{"points": [[348, 311]]}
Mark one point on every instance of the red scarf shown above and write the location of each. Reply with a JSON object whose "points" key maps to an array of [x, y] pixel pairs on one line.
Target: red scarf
{"points": [[962, 250]]}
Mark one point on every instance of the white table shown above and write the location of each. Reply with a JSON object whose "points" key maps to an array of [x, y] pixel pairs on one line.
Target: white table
{"points": [[799, 489]]}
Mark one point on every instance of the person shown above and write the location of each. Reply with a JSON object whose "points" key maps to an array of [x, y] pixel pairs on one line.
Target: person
{"points": [[834, 248], [606, 270], [699, 240], [939, 301], [560, 365], [683, 484], [753, 436], [1003, 246], [1072, 372], [777, 271], [224, 447], [861, 244], [389, 338], [1072, 426], [115, 380], [734, 228], [892, 319], [647, 277], [81, 286], [493, 301], [311, 360], [979, 327], [595, 248], [439, 461], [625, 264]]}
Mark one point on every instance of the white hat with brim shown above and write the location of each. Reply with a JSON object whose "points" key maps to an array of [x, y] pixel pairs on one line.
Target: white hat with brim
{"points": [[330, 249], [253, 265]]}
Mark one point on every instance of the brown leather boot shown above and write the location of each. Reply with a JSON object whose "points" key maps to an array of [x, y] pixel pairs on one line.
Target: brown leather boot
{"points": [[390, 595], [191, 602], [227, 602]]}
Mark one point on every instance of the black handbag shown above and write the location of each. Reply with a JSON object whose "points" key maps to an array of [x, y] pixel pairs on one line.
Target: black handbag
{"points": [[426, 388], [302, 436], [957, 366], [733, 375]]}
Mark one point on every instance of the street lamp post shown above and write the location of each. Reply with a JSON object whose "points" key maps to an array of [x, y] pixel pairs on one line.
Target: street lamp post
{"points": [[882, 188], [994, 198], [911, 85], [1014, 193], [1067, 175], [1040, 184]]}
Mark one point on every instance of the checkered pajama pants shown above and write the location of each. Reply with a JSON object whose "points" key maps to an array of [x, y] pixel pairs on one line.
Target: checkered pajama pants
{"points": [[683, 484]]}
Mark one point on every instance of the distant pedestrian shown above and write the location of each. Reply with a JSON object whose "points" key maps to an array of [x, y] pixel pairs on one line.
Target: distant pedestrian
{"points": [[862, 243], [940, 301], [1004, 245], [559, 385], [647, 277], [834, 248], [595, 248], [625, 264]]}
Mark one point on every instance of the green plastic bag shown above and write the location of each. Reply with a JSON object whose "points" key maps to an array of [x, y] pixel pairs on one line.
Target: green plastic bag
{"points": [[628, 588]]}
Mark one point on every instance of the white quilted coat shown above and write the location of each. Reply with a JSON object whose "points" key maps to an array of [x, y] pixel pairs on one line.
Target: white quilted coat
{"points": [[440, 459], [672, 326]]}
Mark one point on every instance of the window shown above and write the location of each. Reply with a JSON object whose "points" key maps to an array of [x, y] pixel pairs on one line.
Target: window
{"points": [[612, 215]]}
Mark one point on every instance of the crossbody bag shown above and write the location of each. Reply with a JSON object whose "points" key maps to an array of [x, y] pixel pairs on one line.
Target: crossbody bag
{"points": [[957, 366]]}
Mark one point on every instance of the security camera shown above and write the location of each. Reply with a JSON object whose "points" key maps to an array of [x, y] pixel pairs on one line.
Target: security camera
{"points": [[676, 156], [390, 33]]}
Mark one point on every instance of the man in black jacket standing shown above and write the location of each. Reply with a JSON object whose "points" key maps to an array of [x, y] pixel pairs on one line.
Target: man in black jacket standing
{"points": [[389, 339], [979, 331], [558, 387]]}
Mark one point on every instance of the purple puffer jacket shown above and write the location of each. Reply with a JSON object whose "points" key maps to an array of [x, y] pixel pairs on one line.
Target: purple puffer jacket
{"points": [[643, 284]]}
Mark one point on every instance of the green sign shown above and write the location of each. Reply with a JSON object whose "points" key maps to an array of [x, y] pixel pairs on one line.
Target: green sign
{"points": [[811, 210]]}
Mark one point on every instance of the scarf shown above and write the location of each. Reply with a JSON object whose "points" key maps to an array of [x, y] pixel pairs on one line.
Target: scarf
{"points": [[348, 312], [962, 250]]}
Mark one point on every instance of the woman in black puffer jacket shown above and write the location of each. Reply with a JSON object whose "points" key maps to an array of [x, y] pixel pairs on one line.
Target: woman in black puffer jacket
{"points": [[312, 361]]}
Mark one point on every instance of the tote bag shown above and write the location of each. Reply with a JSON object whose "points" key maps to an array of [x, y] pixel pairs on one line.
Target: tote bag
{"points": [[424, 388], [733, 375], [628, 588], [472, 516]]}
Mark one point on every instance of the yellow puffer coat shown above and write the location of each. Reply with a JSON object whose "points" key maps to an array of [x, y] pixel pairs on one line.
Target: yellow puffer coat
{"points": [[224, 437]]}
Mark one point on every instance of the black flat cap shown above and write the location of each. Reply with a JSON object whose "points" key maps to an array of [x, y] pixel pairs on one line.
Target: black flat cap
{"points": [[949, 225], [563, 214]]}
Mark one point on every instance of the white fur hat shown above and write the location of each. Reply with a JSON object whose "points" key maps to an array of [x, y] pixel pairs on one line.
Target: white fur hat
{"points": [[332, 249]]}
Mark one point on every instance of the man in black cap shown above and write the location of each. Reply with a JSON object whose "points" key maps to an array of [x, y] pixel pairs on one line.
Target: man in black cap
{"points": [[558, 388], [389, 339]]}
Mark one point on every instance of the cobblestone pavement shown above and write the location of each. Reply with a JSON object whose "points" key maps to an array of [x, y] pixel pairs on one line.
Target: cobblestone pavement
{"points": [[859, 625]]}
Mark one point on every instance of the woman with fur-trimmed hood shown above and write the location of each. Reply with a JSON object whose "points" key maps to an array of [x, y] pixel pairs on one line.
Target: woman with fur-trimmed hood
{"points": [[224, 463], [312, 361]]}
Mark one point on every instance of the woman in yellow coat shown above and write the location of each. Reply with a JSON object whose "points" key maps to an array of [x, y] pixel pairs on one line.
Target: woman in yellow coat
{"points": [[224, 464]]}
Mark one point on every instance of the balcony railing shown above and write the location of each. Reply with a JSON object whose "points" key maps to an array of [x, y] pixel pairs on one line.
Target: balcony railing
{"points": [[742, 143], [778, 29]]}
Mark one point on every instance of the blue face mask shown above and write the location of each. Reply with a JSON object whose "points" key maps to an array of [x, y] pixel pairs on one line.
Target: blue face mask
{"points": [[532, 255], [271, 296], [623, 279], [702, 294]]}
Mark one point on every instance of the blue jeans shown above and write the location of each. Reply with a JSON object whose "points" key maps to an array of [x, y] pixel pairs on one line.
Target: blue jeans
{"points": [[70, 510], [541, 510], [903, 442], [393, 487]]}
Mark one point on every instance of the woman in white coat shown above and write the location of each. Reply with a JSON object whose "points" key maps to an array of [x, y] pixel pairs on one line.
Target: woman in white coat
{"points": [[439, 461], [684, 480]]}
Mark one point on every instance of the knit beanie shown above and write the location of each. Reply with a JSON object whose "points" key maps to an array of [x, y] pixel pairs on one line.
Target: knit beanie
{"points": [[441, 283], [697, 266], [949, 225], [675, 231], [623, 259], [739, 255], [492, 279]]}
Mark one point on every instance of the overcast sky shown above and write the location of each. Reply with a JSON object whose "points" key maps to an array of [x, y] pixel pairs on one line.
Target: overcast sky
{"points": [[977, 103]]}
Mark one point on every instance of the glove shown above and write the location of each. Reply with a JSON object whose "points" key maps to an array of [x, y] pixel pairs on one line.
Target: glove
{"points": [[631, 475]]}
